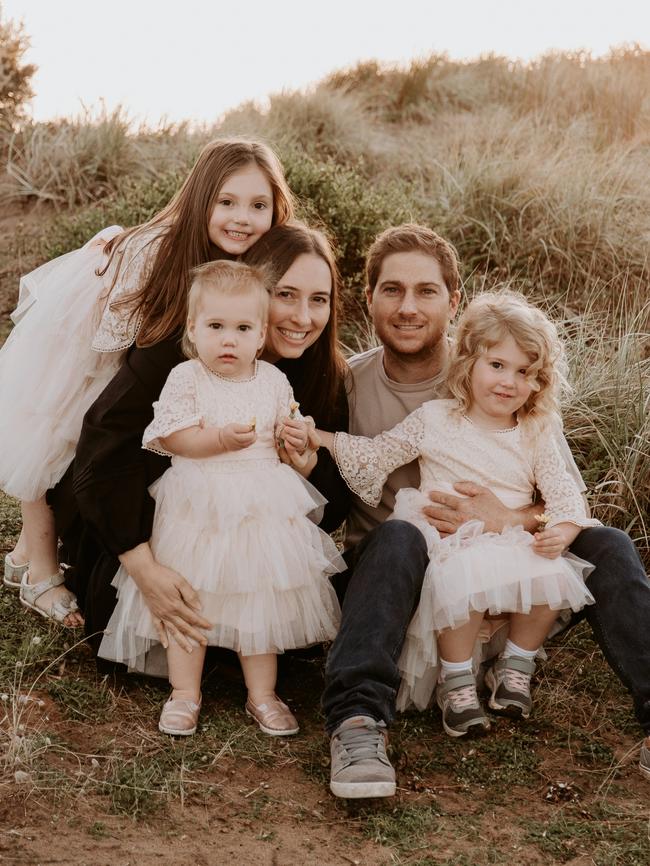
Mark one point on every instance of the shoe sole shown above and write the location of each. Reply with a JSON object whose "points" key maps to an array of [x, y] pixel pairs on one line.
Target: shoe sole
{"points": [[289, 732], [10, 583], [362, 790], [509, 711], [174, 733], [478, 729], [645, 771]]}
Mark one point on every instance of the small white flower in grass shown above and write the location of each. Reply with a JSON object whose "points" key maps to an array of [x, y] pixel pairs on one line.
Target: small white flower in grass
{"points": [[36, 640]]}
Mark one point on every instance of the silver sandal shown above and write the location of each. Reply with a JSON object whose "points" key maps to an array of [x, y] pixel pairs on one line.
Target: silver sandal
{"points": [[13, 573], [59, 610]]}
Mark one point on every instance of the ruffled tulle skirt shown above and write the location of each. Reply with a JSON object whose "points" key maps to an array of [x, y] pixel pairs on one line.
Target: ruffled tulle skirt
{"points": [[49, 373], [473, 570], [244, 541]]}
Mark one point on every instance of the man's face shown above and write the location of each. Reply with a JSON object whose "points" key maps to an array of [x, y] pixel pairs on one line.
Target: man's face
{"points": [[411, 307]]}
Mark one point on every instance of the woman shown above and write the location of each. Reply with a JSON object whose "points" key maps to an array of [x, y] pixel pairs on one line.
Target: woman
{"points": [[102, 506]]}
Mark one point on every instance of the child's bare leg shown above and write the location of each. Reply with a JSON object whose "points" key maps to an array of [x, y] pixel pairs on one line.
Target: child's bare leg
{"points": [[260, 676], [40, 537], [20, 553], [457, 645], [272, 715], [185, 671], [528, 630]]}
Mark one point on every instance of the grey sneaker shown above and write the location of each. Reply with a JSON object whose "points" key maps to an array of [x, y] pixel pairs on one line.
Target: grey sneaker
{"points": [[462, 712], [360, 767], [644, 761], [509, 681]]}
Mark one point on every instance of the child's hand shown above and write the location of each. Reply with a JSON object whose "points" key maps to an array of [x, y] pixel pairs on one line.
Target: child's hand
{"points": [[551, 542], [234, 437]]}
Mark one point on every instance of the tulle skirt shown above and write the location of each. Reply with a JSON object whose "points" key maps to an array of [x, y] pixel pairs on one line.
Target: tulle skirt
{"points": [[473, 570], [244, 541], [49, 373]]}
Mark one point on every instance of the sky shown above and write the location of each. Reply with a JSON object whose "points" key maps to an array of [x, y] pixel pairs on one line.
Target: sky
{"points": [[195, 59]]}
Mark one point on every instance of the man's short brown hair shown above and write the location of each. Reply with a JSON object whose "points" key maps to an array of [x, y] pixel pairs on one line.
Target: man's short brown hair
{"points": [[409, 238]]}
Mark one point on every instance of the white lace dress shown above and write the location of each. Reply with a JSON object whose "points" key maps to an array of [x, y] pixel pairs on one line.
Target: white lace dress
{"points": [[234, 525], [66, 346], [471, 569]]}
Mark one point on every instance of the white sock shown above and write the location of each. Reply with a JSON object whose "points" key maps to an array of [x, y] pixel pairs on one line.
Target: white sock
{"points": [[511, 649], [447, 668]]}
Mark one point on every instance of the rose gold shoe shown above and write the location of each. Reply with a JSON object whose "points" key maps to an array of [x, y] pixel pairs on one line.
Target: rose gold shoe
{"points": [[179, 717], [273, 717]]}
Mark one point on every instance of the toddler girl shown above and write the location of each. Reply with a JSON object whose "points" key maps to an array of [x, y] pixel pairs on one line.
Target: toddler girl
{"points": [[77, 316], [229, 515], [499, 430]]}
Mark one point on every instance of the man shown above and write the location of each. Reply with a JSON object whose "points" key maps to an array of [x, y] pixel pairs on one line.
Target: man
{"points": [[413, 291]]}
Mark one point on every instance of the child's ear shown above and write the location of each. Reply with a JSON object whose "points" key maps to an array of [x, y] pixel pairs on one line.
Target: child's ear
{"points": [[190, 330], [262, 339]]}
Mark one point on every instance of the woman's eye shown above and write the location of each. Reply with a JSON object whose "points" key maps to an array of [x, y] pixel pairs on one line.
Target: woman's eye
{"points": [[321, 299], [225, 201]]}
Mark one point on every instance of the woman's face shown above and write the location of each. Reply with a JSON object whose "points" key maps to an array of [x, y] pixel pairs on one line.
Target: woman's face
{"points": [[300, 308]]}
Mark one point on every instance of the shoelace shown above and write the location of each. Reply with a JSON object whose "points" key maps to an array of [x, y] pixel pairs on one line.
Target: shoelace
{"points": [[462, 698], [361, 743], [516, 681]]}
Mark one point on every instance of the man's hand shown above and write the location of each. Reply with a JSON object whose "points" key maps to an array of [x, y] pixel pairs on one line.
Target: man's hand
{"points": [[448, 512], [550, 543]]}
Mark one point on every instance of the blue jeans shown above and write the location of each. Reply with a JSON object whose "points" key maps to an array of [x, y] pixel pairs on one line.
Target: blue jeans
{"points": [[620, 618], [382, 587], [380, 592]]}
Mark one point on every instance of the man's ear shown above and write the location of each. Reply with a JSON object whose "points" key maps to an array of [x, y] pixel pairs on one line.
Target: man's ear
{"points": [[369, 294], [454, 301]]}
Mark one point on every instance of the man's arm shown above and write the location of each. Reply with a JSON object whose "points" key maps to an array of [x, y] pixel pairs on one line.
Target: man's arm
{"points": [[448, 512]]}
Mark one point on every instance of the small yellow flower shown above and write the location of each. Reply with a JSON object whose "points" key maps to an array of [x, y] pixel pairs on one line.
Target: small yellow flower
{"points": [[253, 423], [542, 520], [293, 408]]}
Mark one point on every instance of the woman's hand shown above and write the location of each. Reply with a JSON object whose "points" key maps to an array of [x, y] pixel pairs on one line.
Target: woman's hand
{"points": [[294, 433], [174, 604]]}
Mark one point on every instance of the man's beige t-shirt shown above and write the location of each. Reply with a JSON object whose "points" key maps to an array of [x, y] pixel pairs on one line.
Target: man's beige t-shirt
{"points": [[376, 404]]}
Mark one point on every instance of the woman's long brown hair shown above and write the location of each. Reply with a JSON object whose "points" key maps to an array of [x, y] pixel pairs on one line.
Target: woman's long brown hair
{"points": [[161, 302], [318, 375]]}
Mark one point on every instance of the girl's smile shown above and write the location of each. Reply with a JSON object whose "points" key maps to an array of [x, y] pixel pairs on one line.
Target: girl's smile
{"points": [[499, 385], [243, 211]]}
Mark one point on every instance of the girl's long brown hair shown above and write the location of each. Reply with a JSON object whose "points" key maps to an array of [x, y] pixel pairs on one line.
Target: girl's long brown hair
{"points": [[318, 375], [161, 301]]}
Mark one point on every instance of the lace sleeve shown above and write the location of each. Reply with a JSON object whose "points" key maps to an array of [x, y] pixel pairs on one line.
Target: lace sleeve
{"points": [[564, 502], [176, 409], [117, 328], [365, 464]]}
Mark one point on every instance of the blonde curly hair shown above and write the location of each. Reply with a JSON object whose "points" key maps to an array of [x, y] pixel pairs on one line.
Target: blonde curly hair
{"points": [[490, 318]]}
